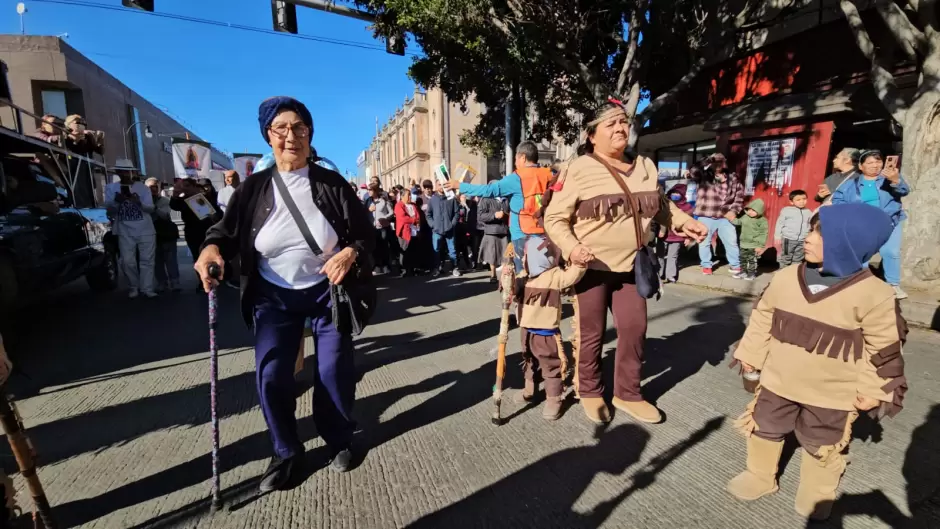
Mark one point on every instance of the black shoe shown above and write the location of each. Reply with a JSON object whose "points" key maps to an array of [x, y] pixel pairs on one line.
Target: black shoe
{"points": [[279, 473], [493, 280], [342, 461]]}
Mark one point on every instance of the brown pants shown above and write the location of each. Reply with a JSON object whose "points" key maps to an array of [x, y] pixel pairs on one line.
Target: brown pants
{"points": [[815, 427], [542, 353], [595, 293]]}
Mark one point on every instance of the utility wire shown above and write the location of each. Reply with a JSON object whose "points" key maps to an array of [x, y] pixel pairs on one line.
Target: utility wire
{"points": [[216, 23]]}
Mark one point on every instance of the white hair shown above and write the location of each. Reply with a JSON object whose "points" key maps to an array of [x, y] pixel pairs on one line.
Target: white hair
{"points": [[151, 180]]}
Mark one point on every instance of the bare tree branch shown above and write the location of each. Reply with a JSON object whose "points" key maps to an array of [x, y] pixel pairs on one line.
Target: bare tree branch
{"points": [[633, 42], [911, 39], [884, 83], [667, 97]]}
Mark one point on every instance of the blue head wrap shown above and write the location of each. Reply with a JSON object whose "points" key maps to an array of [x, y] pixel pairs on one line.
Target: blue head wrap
{"points": [[852, 234], [271, 107]]}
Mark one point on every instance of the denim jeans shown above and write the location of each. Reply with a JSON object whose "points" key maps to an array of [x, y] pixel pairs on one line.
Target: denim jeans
{"points": [[891, 257], [728, 236], [451, 248]]}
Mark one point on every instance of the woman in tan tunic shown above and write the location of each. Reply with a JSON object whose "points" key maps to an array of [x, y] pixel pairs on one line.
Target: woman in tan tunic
{"points": [[589, 218]]}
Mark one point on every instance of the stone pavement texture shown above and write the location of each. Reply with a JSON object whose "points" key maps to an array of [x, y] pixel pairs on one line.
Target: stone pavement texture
{"points": [[116, 402]]}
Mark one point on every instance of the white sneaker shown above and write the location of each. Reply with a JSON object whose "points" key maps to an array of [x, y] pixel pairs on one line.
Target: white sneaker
{"points": [[150, 295], [133, 294], [457, 273], [899, 294]]}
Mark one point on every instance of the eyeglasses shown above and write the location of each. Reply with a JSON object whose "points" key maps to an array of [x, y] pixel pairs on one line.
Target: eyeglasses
{"points": [[281, 130]]}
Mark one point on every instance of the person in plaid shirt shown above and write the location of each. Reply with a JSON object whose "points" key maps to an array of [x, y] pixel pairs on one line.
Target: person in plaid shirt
{"points": [[719, 200]]}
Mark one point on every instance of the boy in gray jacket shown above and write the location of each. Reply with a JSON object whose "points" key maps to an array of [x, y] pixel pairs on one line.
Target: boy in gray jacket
{"points": [[792, 229]]}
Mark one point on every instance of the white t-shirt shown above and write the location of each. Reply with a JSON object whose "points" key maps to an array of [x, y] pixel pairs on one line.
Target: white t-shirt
{"points": [[225, 196], [285, 258], [130, 219]]}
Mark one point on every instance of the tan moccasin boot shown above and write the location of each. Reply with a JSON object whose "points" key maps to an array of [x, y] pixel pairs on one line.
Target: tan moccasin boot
{"points": [[552, 409], [596, 409], [819, 481], [527, 394], [640, 410], [760, 478]]}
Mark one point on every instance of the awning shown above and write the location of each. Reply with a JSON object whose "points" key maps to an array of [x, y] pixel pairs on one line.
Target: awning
{"points": [[648, 144], [793, 107]]}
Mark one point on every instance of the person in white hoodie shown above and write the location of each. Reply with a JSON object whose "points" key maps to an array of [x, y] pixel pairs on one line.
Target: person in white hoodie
{"points": [[130, 204]]}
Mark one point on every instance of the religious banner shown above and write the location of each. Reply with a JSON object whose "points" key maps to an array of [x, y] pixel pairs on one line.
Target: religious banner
{"points": [[191, 158], [245, 163], [770, 164]]}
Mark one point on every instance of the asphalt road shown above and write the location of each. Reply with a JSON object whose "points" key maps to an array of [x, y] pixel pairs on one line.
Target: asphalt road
{"points": [[115, 395]]}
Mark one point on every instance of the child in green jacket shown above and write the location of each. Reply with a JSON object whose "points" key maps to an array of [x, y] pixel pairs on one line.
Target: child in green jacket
{"points": [[753, 240]]}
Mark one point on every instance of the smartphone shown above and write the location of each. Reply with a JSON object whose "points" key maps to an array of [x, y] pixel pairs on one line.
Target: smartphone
{"points": [[891, 162]]}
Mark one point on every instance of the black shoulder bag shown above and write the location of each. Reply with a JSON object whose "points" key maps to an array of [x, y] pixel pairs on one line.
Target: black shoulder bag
{"points": [[351, 313], [645, 265]]}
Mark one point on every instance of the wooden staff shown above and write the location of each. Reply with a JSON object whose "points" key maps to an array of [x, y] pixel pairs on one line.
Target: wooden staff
{"points": [[506, 284], [25, 460]]}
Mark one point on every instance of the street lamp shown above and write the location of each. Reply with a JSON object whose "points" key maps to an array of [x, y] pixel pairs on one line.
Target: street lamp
{"points": [[147, 133]]}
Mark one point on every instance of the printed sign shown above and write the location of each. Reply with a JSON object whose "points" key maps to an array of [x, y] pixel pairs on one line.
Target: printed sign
{"points": [[443, 176], [769, 163], [191, 159], [465, 173], [245, 164], [200, 206]]}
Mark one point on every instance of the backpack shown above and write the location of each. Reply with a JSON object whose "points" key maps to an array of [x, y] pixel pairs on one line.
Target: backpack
{"points": [[534, 183]]}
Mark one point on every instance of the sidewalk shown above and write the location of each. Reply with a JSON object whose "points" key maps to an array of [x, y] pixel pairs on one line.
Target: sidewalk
{"points": [[920, 309]]}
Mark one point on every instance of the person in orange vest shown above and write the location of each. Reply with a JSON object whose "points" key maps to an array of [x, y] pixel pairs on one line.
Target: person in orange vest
{"points": [[524, 189]]}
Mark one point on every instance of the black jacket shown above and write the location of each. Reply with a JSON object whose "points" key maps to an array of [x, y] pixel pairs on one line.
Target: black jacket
{"points": [[487, 211], [251, 204]]}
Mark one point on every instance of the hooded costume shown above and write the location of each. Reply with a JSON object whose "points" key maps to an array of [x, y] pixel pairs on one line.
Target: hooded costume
{"points": [[821, 336], [539, 291]]}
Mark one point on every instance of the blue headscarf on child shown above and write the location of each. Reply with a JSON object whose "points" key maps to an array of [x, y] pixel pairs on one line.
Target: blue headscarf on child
{"points": [[852, 234], [538, 256]]}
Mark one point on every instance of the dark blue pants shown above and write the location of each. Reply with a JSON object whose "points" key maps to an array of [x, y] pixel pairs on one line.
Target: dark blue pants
{"points": [[279, 316]]}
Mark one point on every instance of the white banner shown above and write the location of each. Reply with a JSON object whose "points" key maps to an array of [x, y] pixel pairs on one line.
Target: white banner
{"points": [[443, 176], [191, 159], [245, 164], [769, 163]]}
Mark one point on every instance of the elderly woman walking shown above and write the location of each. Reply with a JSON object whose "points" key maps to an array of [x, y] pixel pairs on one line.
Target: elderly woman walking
{"points": [[882, 186], [269, 222], [591, 220]]}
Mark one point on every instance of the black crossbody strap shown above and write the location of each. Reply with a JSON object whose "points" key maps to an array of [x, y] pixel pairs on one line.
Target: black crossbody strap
{"points": [[294, 212]]}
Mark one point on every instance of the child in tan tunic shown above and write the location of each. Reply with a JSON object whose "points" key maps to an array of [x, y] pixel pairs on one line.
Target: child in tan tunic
{"points": [[539, 294], [826, 338]]}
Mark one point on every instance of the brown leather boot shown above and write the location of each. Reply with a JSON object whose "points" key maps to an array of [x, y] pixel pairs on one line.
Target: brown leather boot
{"points": [[552, 409], [640, 410], [596, 409], [819, 482], [528, 392], [760, 478]]}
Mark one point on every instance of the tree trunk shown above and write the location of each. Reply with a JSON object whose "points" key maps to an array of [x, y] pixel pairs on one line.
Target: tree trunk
{"points": [[920, 252]]}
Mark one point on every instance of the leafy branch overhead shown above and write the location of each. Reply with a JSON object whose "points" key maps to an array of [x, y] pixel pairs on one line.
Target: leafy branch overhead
{"points": [[566, 56]]}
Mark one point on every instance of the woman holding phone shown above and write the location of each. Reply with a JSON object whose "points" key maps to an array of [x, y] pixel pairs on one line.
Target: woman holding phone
{"points": [[880, 184]]}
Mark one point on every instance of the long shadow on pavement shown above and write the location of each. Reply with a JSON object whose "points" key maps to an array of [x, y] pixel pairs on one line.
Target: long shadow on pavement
{"points": [[543, 494]]}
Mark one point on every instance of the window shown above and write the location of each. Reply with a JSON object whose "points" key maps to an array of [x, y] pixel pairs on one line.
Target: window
{"points": [[404, 143], [53, 102], [397, 153], [414, 139]]}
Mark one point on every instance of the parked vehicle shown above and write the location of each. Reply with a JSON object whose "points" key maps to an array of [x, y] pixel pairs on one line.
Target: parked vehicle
{"points": [[51, 228]]}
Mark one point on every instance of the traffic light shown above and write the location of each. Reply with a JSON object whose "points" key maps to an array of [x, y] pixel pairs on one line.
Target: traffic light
{"points": [[146, 5], [285, 16], [395, 44]]}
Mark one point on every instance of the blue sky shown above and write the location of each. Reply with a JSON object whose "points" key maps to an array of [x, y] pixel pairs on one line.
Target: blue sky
{"points": [[213, 78]]}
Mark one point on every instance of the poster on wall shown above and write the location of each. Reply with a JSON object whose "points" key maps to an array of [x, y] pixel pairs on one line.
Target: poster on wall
{"points": [[769, 163], [191, 158], [245, 164]]}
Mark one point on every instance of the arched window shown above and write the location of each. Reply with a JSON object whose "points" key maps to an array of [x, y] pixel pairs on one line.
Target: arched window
{"points": [[414, 138]]}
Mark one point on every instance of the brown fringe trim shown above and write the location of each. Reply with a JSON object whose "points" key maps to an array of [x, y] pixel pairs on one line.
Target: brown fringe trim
{"points": [[745, 423], [825, 452], [575, 343], [815, 336], [889, 362], [603, 206], [902, 323], [897, 387], [545, 297], [651, 202], [561, 356]]}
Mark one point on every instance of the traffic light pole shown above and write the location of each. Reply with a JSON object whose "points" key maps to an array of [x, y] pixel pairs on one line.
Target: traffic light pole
{"points": [[330, 7]]}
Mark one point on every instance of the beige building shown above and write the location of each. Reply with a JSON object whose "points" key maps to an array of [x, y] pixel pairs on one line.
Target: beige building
{"points": [[421, 134], [47, 76]]}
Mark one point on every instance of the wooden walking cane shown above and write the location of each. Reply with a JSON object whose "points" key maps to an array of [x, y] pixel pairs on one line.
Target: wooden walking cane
{"points": [[506, 280], [25, 460]]}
